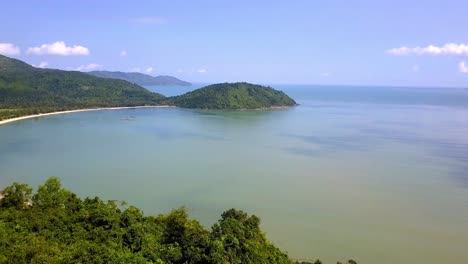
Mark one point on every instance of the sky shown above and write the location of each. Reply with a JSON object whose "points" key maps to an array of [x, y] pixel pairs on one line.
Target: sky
{"points": [[394, 43]]}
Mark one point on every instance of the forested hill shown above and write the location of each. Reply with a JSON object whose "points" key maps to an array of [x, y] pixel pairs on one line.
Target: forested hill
{"points": [[140, 78], [25, 89], [54, 225], [239, 95]]}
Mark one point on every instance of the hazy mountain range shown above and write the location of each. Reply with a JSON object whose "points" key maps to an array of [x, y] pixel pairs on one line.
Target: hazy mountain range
{"points": [[140, 78]]}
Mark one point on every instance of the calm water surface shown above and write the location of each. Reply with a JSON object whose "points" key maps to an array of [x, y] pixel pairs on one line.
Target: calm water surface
{"points": [[377, 174]]}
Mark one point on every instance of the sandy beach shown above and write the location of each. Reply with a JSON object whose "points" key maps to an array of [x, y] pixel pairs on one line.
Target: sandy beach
{"points": [[6, 121]]}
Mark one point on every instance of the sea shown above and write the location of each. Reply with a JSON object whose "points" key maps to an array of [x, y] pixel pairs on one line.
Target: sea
{"points": [[370, 173]]}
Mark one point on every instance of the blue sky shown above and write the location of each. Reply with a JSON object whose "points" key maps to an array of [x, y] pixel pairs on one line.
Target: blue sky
{"points": [[299, 42]]}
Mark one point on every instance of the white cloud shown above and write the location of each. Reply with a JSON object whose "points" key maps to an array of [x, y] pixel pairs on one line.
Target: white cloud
{"points": [[59, 48], [123, 53], [415, 68], [88, 67], [462, 67], [9, 49], [447, 49], [202, 70], [42, 64], [150, 20], [146, 70]]}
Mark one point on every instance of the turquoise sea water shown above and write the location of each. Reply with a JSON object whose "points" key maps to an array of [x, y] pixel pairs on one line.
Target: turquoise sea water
{"points": [[377, 174]]}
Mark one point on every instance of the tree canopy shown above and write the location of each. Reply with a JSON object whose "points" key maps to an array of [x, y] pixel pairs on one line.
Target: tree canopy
{"points": [[54, 225]]}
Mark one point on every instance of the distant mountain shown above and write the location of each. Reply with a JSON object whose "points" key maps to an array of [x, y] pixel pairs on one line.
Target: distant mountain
{"points": [[25, 90], [140, 78], [239, 95]]}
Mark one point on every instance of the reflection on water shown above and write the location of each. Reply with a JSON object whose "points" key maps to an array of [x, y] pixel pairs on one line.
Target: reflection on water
{"points": [[375, 174], [329, 144]]}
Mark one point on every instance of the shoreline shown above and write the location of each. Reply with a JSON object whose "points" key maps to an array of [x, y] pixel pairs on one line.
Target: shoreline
{"points": [[15, 119], [20, 118]]}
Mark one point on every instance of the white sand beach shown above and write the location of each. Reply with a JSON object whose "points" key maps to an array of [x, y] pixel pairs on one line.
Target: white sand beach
{"points": [[6, 121]]}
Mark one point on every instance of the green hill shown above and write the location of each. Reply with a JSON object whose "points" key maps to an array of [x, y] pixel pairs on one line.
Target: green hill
{"points": [[25, 89], [233, 96], [140, 78]]}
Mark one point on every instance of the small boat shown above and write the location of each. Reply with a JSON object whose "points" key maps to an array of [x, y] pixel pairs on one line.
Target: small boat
{"points": [[128, 118]]}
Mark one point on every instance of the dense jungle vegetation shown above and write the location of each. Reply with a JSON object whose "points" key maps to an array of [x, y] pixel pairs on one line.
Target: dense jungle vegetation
{"points": [[54, 225]]}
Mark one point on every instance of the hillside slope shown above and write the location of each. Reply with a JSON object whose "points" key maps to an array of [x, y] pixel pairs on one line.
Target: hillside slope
{"points": [[25, 89]]}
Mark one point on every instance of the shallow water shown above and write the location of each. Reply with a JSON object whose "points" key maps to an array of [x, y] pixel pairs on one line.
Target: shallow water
{"points": [[377, 174]]}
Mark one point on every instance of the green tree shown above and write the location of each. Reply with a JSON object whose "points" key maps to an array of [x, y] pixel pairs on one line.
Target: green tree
{"points": [[187, 234], [17, 196], [237, 238], [51, 194]]}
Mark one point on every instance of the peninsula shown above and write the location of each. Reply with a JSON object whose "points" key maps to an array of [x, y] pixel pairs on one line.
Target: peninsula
{"points": [[28, 92]]}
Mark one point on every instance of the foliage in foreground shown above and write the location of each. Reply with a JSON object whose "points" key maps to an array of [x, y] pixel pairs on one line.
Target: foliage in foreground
{"points": [[53, 225]]}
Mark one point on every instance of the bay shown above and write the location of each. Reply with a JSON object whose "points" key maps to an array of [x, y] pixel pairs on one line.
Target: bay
{"points": [[377, 174]]}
